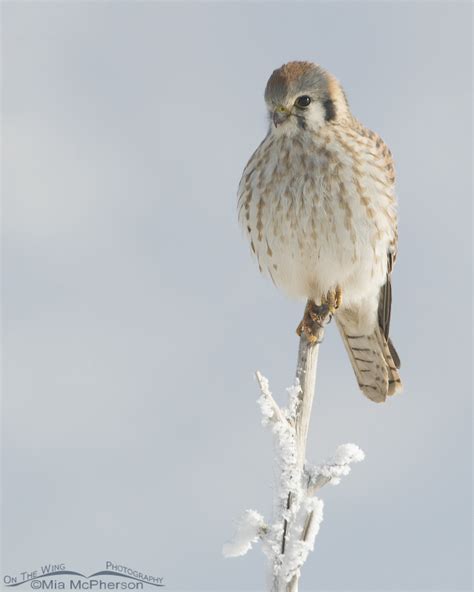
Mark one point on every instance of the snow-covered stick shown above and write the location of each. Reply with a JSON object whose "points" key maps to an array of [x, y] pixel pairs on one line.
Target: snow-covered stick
{"points": [[297, 512]]}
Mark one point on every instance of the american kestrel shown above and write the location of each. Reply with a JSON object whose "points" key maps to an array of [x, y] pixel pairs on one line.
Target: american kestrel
{"points": [[317, 203]]}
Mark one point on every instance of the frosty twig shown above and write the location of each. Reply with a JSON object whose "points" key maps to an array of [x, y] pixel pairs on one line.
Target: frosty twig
{"points": [[298, 513]]}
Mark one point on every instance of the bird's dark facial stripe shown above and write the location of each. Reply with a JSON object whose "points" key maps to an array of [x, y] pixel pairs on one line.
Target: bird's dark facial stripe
{"points": [[301, 122], [330, 110]]}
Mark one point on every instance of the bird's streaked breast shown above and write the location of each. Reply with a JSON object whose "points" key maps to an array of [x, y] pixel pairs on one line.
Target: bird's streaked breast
{"points": [[317, 207]]}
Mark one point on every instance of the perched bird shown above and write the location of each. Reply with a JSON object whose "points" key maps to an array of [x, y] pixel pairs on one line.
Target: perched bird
{"points": [[317, 203]]}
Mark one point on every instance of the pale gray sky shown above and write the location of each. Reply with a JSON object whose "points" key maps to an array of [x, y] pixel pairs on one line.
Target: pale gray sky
{"points": [[134, 317]]}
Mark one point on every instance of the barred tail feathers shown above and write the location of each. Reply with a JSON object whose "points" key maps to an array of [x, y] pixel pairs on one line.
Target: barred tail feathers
{"points": [[373, 363]]}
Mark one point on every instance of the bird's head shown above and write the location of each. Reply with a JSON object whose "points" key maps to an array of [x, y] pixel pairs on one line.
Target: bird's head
{"points": [[301, 95]]}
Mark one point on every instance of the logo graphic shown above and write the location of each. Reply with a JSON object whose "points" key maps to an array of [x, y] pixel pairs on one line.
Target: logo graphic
{"points": [[59, 577]]}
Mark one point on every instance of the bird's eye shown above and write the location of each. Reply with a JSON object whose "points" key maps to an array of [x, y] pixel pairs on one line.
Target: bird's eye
{"points": [[303, 101]]}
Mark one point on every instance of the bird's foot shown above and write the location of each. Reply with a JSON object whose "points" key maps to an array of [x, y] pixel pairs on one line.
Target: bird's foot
{"points": [[317, 316], [333, 300], [312, 323]]}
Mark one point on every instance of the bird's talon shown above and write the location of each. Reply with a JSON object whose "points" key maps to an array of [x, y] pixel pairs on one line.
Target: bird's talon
{"points": [[334, 300], [338, 297], [312, 324], [300, 329], [319, 313]]}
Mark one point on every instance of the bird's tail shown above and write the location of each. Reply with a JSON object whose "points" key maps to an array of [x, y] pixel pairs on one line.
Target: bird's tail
{"points": [[375, 362]]}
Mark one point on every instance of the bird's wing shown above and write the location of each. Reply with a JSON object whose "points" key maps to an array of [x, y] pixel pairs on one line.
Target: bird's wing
{"points": [[385, 300], [384, 157], [385, 309]]}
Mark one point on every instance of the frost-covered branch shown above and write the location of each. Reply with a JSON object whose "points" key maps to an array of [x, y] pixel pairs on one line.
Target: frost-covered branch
{"points": [[250, 528], [334, 468], [297, 512], [268, 406]]}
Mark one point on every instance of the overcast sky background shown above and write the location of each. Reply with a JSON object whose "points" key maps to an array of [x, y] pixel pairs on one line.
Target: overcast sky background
{"points": [[134, 317]]}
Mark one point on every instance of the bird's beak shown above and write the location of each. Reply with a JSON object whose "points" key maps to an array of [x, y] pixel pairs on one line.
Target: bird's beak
{"points": [[280, 114]]}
